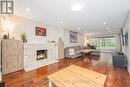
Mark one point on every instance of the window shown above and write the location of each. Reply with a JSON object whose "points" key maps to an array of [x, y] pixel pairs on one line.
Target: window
{"points": [[104, 42]]}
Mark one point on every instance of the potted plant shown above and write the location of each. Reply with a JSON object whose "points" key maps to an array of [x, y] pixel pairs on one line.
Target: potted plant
{"points": [[24, 37]]}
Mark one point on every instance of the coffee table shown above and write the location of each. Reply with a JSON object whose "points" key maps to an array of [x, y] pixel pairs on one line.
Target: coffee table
{"points": [[84, 52], [75, 76]]}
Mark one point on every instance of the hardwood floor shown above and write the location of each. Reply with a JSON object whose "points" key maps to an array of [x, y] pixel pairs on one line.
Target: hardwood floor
{"points": [[116, 77]]}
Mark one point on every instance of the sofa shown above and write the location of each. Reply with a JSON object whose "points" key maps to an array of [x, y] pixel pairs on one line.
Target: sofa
{"points": [[75, 51]]}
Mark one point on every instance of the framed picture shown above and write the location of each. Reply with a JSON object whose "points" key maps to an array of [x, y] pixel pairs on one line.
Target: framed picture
{"points": [[126, 39], [40, 31], [73, 37]]}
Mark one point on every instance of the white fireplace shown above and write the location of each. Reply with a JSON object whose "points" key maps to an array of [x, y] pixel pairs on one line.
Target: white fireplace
{"points": [[39, 54]]}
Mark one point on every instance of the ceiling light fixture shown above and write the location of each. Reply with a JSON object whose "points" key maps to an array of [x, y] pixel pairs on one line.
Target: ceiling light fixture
{"points": [[27, 9], [77, 7], [105, 23]]}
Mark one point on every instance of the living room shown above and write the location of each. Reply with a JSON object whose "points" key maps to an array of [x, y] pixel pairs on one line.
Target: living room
{"points": [[46, 43]]}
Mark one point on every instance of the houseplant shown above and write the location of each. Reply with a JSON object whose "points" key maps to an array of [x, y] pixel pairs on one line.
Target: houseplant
{"points": [[24, 37]]}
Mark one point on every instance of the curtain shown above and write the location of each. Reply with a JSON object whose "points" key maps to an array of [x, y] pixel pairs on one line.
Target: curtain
{"points": [[118, 43]]}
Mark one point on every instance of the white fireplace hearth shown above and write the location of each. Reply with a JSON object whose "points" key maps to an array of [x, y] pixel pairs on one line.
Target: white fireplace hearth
{"points": [[31, 53]]}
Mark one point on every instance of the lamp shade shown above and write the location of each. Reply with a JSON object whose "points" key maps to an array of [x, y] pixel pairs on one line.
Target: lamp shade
{"points": [[87, 41]]}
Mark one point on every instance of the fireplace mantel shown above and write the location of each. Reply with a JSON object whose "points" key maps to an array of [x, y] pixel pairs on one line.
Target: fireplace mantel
{"points": [[33, 43], [30, 55]]}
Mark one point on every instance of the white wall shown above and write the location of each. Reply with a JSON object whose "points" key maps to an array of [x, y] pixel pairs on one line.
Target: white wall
{"points": [[127, 49], [53, 33], [80, 41], [28, 26]]}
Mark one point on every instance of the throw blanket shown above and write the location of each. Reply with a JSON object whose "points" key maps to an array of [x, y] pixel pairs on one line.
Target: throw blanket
{"points": [[71, 52]]}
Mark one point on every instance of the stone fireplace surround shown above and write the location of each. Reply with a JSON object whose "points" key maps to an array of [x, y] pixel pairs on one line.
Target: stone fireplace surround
{"points": [[30, 55]]}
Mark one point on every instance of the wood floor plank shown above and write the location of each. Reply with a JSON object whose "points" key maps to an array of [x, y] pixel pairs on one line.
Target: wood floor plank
{"points": [[116, 77]]}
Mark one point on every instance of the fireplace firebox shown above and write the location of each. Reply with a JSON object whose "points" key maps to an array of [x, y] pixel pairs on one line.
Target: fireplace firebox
{"points": [[41, 54]]}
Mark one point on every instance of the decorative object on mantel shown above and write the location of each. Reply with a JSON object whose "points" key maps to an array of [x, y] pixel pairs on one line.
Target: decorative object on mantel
{"points": [[40, 31], [60, 39], [24, 37], [53, 41], [49, 41], [73, 37], [5, 37]]}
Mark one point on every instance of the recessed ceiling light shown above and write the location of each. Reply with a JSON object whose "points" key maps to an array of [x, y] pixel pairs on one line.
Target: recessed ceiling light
{"points": [[77, 7], [105, 23], [27, 9]]}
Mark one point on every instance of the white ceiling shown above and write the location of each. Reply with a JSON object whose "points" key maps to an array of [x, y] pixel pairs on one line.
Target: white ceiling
{"points": [[91, 18]]}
